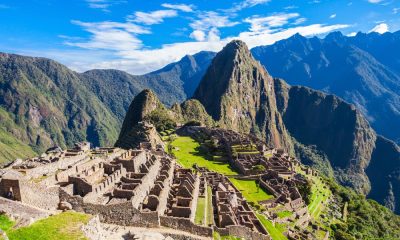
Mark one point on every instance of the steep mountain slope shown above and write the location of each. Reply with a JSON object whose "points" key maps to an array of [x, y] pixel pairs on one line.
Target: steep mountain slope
{"points": [[384, 173], [238, 93], [334, 126], [173, 84], [358, 156], [132, 132], [45, 104], [146, 107], [347, 67]]}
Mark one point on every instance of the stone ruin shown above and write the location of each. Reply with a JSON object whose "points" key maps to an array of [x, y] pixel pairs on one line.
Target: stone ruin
{"points": [[146, 187]]}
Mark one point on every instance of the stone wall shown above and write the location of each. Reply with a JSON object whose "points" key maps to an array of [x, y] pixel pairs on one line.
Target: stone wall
{"points": [[143, 189], [163, 197], [40, 195], [51, 168], [63, 176], [266, 186], [184, 224], [121, 214], [241, 232], [105, 186]]}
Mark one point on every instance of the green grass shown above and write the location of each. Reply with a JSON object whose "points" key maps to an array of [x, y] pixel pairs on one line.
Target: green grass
{"points": [[200, 211], [210, 212], [63, 226], [250, 190], [276, 233], [319, 195], [11, 148], [186, 150], [284, 214], [5, 223]]}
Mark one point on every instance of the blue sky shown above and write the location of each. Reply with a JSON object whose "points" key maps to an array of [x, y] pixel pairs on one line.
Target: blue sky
{"points": [[140, 36]]}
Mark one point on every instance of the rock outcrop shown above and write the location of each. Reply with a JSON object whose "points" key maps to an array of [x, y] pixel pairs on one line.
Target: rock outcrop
{"points": [[134, 129]]}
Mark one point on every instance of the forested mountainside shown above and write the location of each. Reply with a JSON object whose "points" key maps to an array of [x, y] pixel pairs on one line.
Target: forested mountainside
{"points": [[363, 70], [43, 103]]}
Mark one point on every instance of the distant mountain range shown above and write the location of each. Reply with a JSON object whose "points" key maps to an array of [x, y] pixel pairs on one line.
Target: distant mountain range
{"points": [[363, 70]]}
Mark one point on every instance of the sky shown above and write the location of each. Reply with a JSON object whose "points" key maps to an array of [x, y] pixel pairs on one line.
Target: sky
{"points": [[142, 36]]}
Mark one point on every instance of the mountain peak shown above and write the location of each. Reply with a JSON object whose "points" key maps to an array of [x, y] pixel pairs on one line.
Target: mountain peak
{"points": [[236, 44], [238, 93]]}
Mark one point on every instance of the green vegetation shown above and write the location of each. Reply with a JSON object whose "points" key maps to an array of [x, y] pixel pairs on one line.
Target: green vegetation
{"points": [[12, 148], [200, 211], [63, 226], [244, 149], [251, 190], [319, 196], [161, 119], [188, 153], [5, 223], [210, 212], [275, 231], [284, 214], [44, 103], [366, 219], [258, 168]]}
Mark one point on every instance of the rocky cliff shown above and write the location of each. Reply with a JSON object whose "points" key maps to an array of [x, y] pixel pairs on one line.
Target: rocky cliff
{"points": [[334, 126], [239, 94]]}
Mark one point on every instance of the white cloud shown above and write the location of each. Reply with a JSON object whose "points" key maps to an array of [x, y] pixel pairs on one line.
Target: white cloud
{"points": [[254, 39], [299, 21], [103, 4], [198, 35], [332, 16], [352, 34], [110, 36], [380, 28], [291, 7], [138, 60], [246, 4], [154, 17], [208, 20], [259, 24], [181, 7], [375, 1], [396, 10]]}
